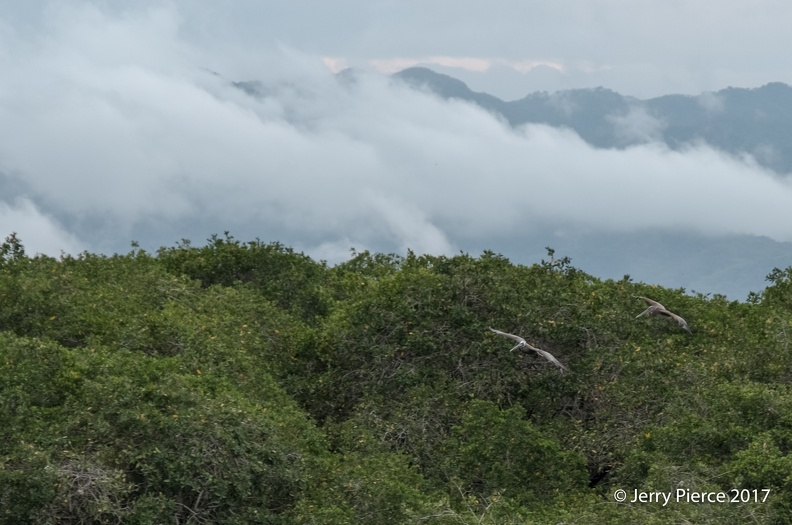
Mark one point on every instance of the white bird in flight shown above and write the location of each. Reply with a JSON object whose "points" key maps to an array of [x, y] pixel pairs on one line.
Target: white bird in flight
{"points": [[522, 344], [656, 308]]}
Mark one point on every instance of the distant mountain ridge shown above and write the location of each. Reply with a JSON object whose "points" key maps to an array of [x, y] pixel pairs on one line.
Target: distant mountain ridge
{"points": [[736, 121], [739, 121], [756, 122]]}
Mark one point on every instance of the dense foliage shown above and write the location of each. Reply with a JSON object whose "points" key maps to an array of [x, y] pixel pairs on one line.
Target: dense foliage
{"points": [[246, 383]]}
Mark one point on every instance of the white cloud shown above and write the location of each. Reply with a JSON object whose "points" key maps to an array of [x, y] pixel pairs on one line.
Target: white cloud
{"points": [[38, 232], [115, 118], [638, 126]]}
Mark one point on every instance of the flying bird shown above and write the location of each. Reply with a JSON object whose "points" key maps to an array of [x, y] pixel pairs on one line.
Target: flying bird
{"points": [[522, 345], [656, 308]]}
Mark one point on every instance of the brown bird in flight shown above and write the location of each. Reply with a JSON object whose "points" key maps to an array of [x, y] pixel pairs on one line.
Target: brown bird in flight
{"points": [[656, 308], [523, 345]]}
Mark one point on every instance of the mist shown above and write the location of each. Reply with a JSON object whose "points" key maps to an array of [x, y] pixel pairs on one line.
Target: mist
{"points": [[120, 128]]}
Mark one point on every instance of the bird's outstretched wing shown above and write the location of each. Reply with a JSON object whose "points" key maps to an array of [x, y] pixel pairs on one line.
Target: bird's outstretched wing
{"points": [[547, 355], [681, 322], [510, 336], [524, 345], [650, 302], [656, 308]]}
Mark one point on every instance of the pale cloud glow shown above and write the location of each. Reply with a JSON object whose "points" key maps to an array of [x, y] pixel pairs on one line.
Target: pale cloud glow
{"points": [[392, 65], [335, 64], [525, 66], [478, 65]]}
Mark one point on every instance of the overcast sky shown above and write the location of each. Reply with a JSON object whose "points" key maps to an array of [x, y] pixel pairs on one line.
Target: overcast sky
{"points": [[121, 125]]}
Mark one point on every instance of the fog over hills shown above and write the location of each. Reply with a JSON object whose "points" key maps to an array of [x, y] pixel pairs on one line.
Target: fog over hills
{"points": [[755, 122], [120, 128], [751, 125]]}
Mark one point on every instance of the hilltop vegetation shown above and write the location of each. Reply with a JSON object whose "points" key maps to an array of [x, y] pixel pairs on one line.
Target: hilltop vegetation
{"points": [[241, 382]]}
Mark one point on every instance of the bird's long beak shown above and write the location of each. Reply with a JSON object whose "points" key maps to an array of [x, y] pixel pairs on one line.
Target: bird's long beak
{"points": [[515, 348]]}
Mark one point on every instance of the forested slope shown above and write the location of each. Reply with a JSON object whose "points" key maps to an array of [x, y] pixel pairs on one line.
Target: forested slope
{"points": [[241, 382]]}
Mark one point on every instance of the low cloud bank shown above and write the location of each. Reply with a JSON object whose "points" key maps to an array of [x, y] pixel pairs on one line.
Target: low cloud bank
{"points": [[120, 121]]}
